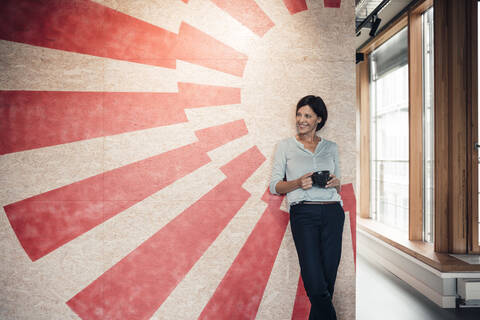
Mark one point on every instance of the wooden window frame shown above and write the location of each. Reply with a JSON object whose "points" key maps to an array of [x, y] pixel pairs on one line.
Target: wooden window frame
{"points": [[415, 115]]}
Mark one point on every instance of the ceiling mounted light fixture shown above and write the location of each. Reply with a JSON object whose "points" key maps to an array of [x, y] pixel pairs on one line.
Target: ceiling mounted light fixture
{"points": [[372, 21], [375, 24]]}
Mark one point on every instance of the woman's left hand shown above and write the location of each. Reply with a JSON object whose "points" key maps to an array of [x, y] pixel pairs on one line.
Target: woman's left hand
{"points": [[333, 182]]}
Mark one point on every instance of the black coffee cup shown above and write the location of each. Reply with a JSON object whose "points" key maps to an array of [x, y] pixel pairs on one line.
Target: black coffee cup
{"points": [[320, 178]]}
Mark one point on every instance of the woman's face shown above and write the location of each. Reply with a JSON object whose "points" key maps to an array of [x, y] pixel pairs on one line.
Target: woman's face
{"points": [[307, 120]]}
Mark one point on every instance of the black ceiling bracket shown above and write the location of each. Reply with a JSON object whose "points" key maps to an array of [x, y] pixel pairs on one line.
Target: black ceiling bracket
{"points": [[372, 18]]}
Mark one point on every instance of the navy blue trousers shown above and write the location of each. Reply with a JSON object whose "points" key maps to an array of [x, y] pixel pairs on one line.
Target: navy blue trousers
{"points": [[317, 232]]}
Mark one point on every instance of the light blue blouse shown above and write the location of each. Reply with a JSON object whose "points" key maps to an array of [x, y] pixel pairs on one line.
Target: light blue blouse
{"points": [[293, 160]]}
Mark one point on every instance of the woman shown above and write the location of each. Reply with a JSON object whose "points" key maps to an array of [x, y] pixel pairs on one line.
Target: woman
{"points": [[316, 214]]}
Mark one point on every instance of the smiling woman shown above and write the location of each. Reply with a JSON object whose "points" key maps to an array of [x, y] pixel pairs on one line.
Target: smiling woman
{"points": [[316, 214]]}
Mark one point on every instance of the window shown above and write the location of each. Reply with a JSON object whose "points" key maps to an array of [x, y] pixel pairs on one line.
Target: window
{"points": [[428, 126], [419, 168], [389, 132]]}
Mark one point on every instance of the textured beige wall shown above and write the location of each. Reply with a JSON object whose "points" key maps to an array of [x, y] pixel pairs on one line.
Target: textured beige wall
{"points": [[310, 52]]}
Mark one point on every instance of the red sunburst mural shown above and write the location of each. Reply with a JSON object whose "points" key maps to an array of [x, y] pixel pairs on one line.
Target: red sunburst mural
{"points": [[137, 284]]}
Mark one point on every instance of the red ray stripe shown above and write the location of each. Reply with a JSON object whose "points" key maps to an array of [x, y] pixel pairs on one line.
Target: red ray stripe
{"points": [[295, 6], [350, 204], [193, 95], [35, 119], [47, 221], [301, 308], [239, 294], [138, 285], [197, 47], [130, 111], [186, 1], [86, 27], [331, 3], [248, 13]]}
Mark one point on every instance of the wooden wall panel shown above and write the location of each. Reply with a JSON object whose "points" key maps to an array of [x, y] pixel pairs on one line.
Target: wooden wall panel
{"points": [[441, 125], [457, 124], [452, 78], [472, 128]]}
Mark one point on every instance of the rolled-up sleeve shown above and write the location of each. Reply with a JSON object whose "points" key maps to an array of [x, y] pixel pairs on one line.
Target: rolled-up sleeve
{"points": [[279, 166]]}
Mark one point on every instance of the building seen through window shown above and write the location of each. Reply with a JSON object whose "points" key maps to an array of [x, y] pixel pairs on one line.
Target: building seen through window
{"points": [[389, 134], [428, 126]]}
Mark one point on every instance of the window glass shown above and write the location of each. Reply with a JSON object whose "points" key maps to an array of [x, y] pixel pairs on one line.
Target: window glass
{"points": [[389, 132], [428, 122]]}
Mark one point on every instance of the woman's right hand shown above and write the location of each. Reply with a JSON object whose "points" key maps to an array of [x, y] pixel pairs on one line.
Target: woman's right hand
{"points": [[305, 181]]}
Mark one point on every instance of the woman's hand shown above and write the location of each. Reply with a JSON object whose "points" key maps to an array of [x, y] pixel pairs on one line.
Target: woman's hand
{"points": [[334, 182], [305, 182]]}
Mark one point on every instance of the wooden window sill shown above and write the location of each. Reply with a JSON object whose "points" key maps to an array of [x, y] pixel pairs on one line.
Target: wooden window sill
{"points": [[418, 249]]}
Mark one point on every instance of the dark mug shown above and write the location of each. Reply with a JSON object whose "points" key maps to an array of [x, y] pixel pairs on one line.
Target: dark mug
{"points": [[320, 178]]}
